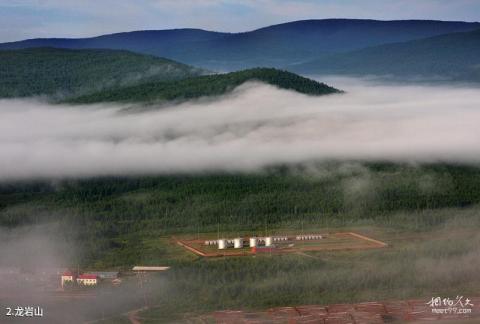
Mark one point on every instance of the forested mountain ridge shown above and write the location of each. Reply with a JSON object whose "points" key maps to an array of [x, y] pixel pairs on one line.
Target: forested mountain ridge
{"points": [[209, 85], [272, 46], [63, 72], [453, 56]]}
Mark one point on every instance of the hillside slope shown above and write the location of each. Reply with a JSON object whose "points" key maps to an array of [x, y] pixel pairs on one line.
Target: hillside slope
{"points": [[453, 57], [211, 85], [273, 46], [62, 72]]}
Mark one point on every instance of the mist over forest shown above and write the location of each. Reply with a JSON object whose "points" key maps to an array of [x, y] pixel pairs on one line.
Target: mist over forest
{"points": [[187, 150], [254, 127]]}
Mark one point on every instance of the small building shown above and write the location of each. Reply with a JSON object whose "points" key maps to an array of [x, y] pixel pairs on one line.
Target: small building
{"points": [[222, 244], [211, 242], [87, 280], [268, 241], [309, 237], [149, 269], [104, 274], [238, 243], [67, 276]]}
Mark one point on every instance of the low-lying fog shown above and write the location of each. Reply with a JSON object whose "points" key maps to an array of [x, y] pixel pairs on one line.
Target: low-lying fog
{"points": [[31, 261], [255, 126]]}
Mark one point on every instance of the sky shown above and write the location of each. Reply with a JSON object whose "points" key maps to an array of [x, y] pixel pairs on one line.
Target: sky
{"points": [[23, 19]]}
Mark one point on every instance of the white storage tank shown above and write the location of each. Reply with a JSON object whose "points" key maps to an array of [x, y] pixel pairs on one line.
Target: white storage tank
{"points": [[238, 243], [253, 242], [268, 241], [222, 244]]}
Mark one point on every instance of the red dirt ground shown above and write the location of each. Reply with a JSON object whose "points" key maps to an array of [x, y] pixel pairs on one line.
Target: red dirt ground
{"points": [[361, 313]]}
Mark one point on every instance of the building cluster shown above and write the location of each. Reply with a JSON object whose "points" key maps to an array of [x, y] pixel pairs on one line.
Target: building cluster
{"points": [[138, 269], [88, 279], [255, 242], [308, 237]]}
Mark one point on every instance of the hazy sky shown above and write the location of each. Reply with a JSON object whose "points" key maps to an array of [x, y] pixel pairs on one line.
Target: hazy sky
{"points": [[20, 19]]}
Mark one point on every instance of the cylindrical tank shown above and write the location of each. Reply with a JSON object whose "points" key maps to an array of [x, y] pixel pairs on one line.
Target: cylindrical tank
{"points": [[222, 244], [253, 242], [268, 241], [238, 243]]}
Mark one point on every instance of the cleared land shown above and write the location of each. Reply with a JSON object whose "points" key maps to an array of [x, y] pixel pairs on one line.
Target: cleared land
{"points": [[370, 312], [328, 242]]}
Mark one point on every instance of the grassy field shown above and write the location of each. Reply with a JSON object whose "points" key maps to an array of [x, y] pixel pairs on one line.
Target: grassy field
{"points": [[440, 262]]}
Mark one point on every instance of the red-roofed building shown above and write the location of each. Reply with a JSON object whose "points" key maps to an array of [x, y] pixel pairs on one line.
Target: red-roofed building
{"points": [[67, 276], [87, 279]]}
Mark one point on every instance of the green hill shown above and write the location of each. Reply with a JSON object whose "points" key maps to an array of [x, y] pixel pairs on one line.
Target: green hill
{"points": [[210, 85], [453, 56], [271, 46], [64, 72]]}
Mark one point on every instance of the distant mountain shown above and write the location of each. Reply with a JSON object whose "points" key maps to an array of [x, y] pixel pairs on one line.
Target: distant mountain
{"points": [[63, 72], [274, 46], [452, 57], [203, 86]]}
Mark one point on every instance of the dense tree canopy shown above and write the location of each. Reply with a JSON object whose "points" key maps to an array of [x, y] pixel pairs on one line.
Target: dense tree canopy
{"points": [[115, 216], [63, 72], [209, 85]]}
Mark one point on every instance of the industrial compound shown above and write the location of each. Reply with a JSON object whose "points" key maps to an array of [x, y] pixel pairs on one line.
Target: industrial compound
{"points": [[251, 245], [254, 242]]}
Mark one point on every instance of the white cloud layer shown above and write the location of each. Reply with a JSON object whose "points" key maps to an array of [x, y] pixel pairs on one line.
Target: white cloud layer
{"points": [[254, 127]]}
